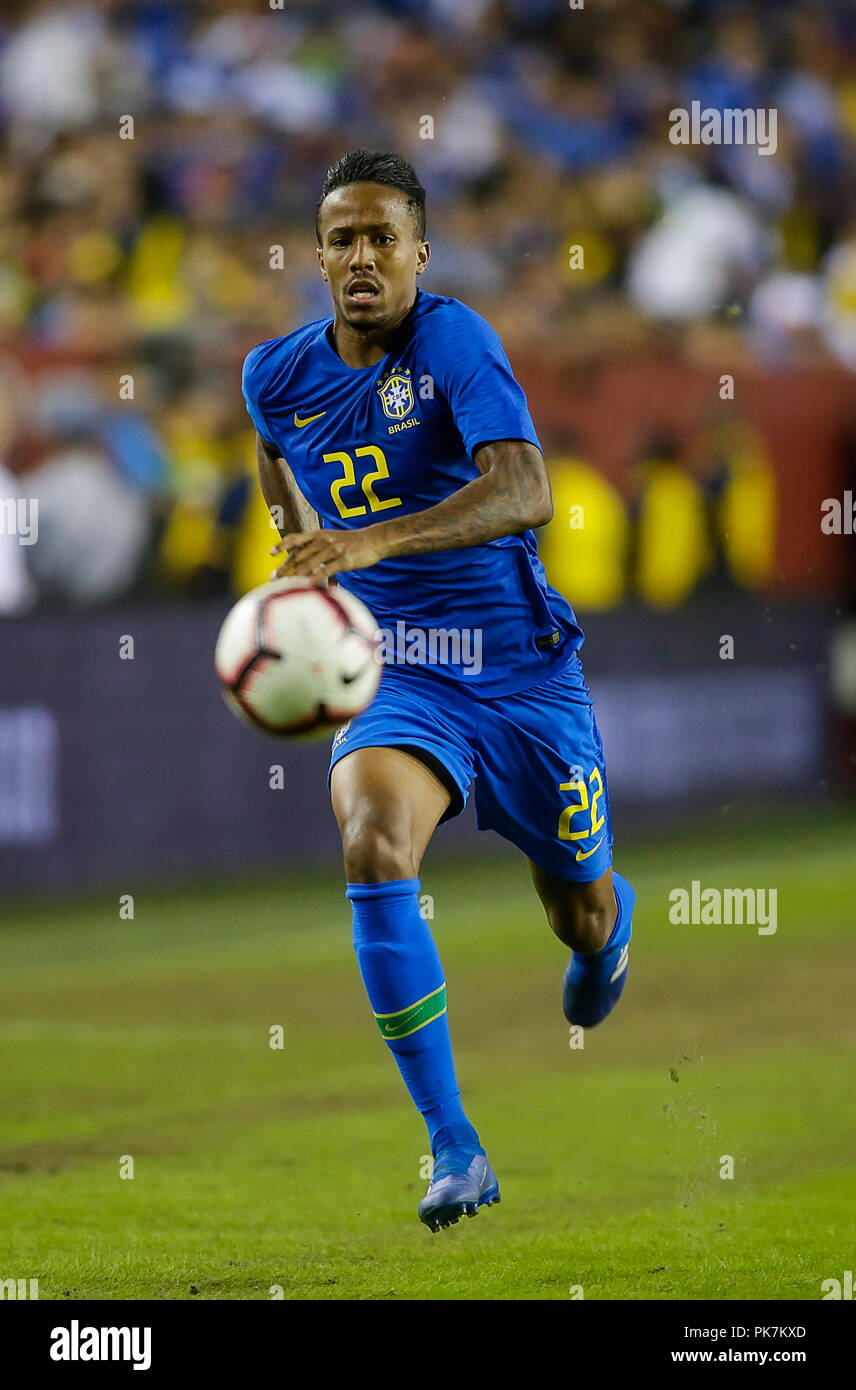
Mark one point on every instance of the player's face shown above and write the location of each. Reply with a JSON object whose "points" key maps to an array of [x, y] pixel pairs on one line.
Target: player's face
{"points": [[370, 255]]}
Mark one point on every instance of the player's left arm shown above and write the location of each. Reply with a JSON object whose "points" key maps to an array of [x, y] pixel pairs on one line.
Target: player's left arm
{"points": [[511, 495]]}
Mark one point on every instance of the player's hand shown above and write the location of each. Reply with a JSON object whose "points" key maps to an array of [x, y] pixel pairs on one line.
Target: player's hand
{"points": [[320, 554]]}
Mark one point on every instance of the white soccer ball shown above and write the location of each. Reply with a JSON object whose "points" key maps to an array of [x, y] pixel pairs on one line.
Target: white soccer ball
{"points": [[294, 657]]}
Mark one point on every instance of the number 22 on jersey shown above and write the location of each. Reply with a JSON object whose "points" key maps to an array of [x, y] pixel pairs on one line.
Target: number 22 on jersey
{"points": [[367, 482]]}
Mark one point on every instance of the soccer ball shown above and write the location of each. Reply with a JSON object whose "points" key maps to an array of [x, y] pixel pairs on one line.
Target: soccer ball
{"points": [[295, 658]]}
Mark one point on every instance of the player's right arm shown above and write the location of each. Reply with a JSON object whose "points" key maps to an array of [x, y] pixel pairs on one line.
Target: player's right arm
{"points": [[289, 508]]}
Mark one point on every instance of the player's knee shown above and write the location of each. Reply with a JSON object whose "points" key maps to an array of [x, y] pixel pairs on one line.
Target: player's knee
{"points": [[583, 917], [376, 850]]}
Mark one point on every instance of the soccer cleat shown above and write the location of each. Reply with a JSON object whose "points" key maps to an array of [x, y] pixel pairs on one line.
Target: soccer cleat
{"points": [[592, 985], [460, 1185]]}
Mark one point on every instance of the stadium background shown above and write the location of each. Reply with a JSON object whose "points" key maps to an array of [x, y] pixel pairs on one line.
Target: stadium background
{"points": [[159, 259]]}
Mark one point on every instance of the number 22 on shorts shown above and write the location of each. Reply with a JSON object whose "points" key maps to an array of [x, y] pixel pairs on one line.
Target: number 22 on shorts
{"points": [[584, 804]]}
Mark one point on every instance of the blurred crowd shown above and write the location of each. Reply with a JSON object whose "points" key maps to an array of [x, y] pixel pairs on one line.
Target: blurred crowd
{"points": [[160, 162]]}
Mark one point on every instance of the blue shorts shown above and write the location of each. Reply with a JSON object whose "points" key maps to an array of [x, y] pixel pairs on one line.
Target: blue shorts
{"points": [[536, 759]]}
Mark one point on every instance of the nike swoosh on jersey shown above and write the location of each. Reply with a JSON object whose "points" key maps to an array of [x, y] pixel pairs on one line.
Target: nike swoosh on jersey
{"points": [[581, 856], [308, 421]]}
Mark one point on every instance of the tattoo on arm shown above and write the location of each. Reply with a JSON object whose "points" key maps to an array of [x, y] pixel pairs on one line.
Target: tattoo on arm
{"points": [[286, 503], [511, 495]]}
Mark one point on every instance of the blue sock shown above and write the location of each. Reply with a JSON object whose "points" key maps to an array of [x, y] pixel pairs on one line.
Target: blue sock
{"points": [[403, 977], [625, 898], [593, 983]]}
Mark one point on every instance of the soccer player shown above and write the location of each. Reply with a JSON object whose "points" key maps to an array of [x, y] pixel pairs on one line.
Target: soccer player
{"points": [[396, 451]]}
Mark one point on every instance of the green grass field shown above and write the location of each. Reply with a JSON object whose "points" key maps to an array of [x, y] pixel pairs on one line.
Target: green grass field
{"points": [[300, 1167]]}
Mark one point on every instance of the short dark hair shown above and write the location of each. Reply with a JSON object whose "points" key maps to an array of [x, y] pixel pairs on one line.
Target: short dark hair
{"points": [[376, 166]]}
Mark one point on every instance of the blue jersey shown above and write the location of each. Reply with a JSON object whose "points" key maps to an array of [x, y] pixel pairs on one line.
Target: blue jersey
{"points": [[370, 443]]}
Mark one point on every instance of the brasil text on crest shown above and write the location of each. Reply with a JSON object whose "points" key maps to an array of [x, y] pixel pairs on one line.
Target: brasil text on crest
{"points": [[396, 397]]}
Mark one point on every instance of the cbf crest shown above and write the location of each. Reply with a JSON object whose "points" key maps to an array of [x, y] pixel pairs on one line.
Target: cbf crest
{"points": [[396, 394]]}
